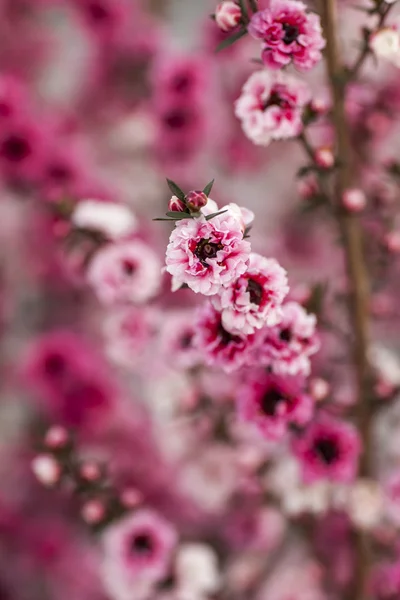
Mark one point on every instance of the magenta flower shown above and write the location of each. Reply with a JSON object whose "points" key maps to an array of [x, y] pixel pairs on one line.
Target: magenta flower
{"points": [[271, 105], [217, 346], [138, 550], [254, 300], [289, 34], [207, 255], [272, 403], [125, 272], [328, 449], [287, 347]]}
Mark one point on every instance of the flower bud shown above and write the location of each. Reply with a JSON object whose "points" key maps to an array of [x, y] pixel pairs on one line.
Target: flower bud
{"points": [[195, 200], [175, 204], [354, 200], [46, 469], [56, 437], [319, 388], [228, 15], [392, 241], [385, 43], [90, 471], [131, 497], [93, 511], [324, 157]]}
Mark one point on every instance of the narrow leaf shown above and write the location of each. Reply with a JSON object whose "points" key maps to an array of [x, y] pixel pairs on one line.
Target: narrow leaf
{"points": [[176, 190], [161, 219], [221, 212], [231, 40], [243, 8], [208, 188], [176, 214]]}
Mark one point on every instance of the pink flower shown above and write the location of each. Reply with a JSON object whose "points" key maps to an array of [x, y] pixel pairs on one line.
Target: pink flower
{"points": [[272, 403], [328, 449], [137, 549], [218, 347], [271, 105], [177, 340], [254, 300], [128, 332], [288, 33], [228, 15], [206, 255], [287, 347], [125, 272]]}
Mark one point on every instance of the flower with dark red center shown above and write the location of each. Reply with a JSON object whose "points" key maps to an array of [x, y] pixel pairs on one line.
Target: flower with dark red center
{"points": [[207, 255], [176, 340], [217, 346], [271, 106], [254, 300], [288, 346], [328, 449], [289, 34], [272, 403]]}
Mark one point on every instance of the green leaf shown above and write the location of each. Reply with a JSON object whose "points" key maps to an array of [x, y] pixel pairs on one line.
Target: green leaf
{"points": [[243, 8], [231, 40], [178, 216], [176, 190], [221, 212], [208, 188], [162, 219]]}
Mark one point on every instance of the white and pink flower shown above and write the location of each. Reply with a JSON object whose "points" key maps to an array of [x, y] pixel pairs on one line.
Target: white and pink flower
{"points": [[112, 219], [218, 347], [254, 300], [207, 255], [125, 272], [289, 34], [271, 105], [272, 403], [176, 340], [228, 15], [287, 347]]}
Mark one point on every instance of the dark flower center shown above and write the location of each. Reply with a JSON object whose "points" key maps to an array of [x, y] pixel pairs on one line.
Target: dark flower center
{"points": [[16, 148], [54, 365], [327, 450], [98, 12], [256, 292], [59, 173], [226, 337], [291, 33], [270, 401], [181, 83], [285, 335], [177, 119], [128, 267], [5, 109], [142, 544], [206, 249], [186, 340]]}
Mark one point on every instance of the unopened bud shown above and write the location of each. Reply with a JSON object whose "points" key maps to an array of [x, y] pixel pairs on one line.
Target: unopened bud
{"points": [[56, 437], [131, 497], [46, 469], [93, 511], [196, 200], [392, 242], [228, 15], [319, 388], [175, 204], [90, 471], [354, 200], [324, 157]]}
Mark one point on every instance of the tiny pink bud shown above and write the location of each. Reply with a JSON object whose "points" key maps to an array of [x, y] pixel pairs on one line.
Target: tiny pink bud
{"points": [[319, 388], [131, 497], [319, 105], [307, 187], [90, 471], [384, 389], [392, 241], [324, 157], [228, 15], [354, 200], [56, 437], [93, 511], [175, 204], [46, 469], [196, 200]]}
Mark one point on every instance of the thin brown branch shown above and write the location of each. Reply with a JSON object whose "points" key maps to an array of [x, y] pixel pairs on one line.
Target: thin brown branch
{"points": [[356, 267]]}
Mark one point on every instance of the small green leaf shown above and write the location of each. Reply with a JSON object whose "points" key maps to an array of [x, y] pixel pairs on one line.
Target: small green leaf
{"points": [[162, 219], [231, 40], [221, 212], [178, 216], [176, 190], [243, 8], [208, 188]]}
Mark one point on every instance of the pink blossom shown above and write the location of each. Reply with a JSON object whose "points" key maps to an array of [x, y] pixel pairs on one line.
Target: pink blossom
{"points": [[206, 255], [328, 449], [287, 347], [218, 347], [176, 340], [138, 548], [288, 33], [272, 403], [271, 105], [254, 300], [227, 15], [128, 332], [125, 272]]}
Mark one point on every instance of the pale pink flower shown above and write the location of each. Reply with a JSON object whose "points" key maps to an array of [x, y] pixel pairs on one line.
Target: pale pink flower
{"points": [[289, 34], [328, 449], [176, 340], [125, 272], [112, 219], [137, 549], [287, 347], [271, 105], [206, 255], [197, 571], [254, 300], [272, 403], [128, 333]]}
